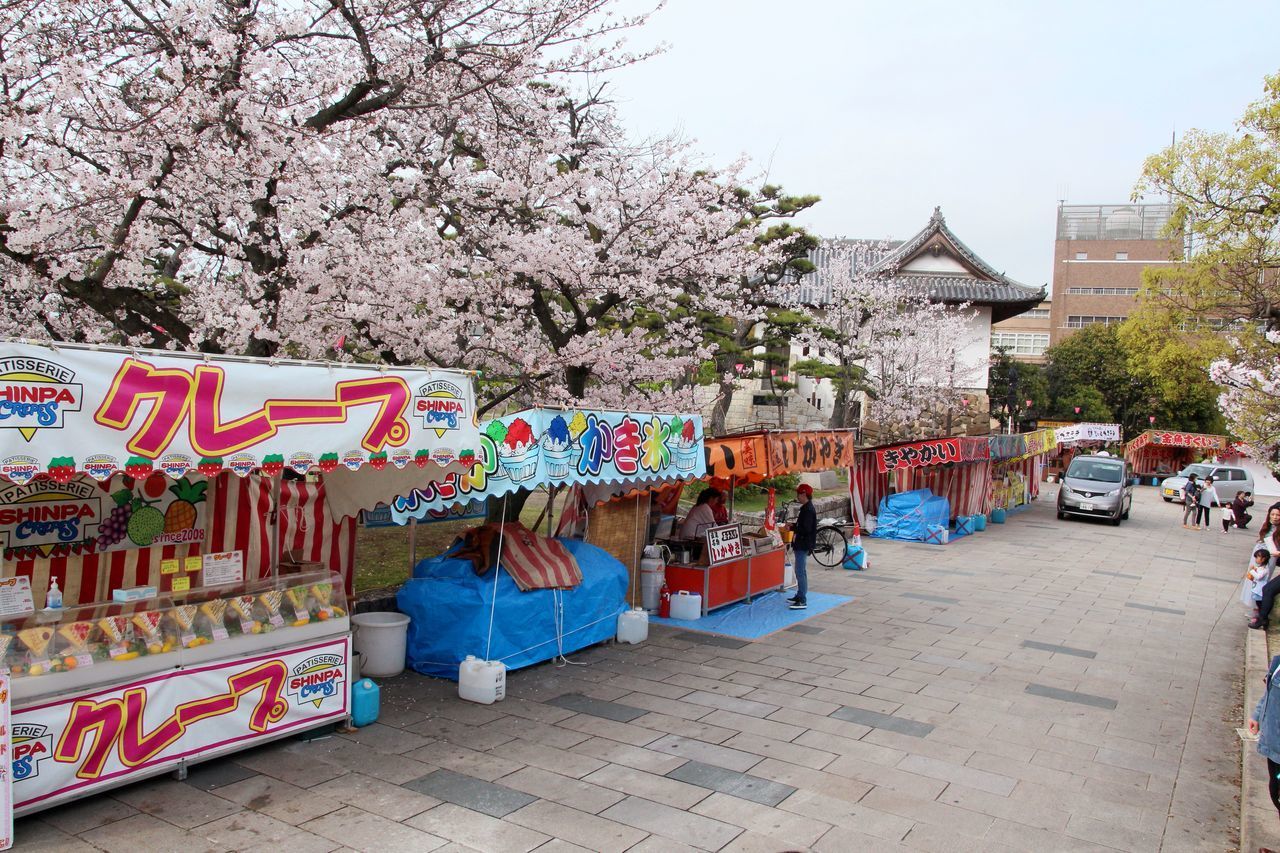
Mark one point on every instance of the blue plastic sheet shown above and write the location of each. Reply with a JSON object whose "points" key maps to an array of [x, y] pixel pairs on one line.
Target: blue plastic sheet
{"points": [[907, 516], [449, 607]]}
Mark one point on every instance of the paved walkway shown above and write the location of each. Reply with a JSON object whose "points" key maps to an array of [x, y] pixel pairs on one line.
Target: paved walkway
{"points": [[1044, 685]]}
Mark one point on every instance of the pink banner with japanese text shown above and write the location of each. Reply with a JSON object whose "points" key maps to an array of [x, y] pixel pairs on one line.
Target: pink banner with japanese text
{"points": [[73, 746], [66, 410], [938, 451]]}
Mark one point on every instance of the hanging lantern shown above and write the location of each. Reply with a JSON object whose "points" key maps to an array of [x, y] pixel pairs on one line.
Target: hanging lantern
{"points": [[739, 367], [1151, 419], [1077, 410]]}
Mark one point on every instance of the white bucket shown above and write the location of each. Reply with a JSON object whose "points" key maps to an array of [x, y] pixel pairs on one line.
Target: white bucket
{"points": [[633, 626], [380, 640], [482, 681]]}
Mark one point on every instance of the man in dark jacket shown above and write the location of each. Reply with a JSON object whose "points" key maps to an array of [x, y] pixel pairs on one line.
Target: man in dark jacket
{"points": [[806, 535], [1240, 509]]}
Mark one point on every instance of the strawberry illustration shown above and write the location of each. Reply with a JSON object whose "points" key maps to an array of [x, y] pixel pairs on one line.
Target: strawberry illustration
{"points": [[62, 468], [137, 467], [327, 462], [210, 466], [467, 458], [272, 464], [421, 458], [378, 460]]}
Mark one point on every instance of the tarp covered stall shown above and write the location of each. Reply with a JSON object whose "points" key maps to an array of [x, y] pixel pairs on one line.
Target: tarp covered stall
{"points": [[1162, 453], [956, 468], [908, 516], [452, 610], [1015, 480]]}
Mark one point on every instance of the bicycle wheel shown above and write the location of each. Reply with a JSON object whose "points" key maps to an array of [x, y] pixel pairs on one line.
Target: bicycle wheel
{"points": [[829, 547]]}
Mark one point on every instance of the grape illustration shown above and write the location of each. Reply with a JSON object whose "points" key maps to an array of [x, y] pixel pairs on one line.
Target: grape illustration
{"points": [[113, 529]]}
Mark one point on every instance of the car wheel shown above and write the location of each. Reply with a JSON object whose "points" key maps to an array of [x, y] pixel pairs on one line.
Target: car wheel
{"points": [[1168, 500], [1125, 514], [1115, 522], [1061, 515]]}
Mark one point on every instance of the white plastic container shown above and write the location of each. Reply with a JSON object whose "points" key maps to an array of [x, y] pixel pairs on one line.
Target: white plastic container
{"points": [[651, 590], [686, 605], [380, 638], [788, 572], [482, 681], [633, 626], [870, 526]]}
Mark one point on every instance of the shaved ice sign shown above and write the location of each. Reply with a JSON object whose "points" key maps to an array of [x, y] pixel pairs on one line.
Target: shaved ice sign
{"points": [[538, 446]]}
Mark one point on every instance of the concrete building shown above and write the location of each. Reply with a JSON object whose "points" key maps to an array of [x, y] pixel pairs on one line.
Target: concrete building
{"points": [[1099, 254], [1026, 335]]}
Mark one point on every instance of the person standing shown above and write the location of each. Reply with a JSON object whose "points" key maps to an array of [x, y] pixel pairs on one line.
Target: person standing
{"points": [[1190, 500], [1265, 723], [1269, 538], [1208, 500], [806, 536]]}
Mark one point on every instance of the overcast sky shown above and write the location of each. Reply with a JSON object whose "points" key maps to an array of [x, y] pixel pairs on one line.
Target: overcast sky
{"points": [[994, 111]]}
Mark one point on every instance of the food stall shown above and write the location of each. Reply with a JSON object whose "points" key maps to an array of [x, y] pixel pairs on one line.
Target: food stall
{"points": [[588, 457], [1017, 465], [1075, 438], [956, 469], [1161, 453], [725, 566], [147, 490]]}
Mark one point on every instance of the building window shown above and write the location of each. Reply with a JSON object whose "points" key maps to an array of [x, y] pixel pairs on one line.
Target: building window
{"points": [[1103, 291], [1077, 321], [1082, 256], [1021, 343], [1035, 314], [1122, 256]]}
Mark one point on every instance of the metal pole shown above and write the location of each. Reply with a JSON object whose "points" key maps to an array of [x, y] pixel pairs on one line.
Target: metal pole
{"points": [[275, 525], [413, 545]]}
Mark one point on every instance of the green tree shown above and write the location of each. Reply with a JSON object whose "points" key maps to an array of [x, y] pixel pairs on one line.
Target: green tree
{"points": [[1094, 358], [1010, 383]]}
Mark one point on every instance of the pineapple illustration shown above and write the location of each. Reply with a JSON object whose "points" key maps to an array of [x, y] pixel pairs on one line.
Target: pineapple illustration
{"points": [[181, 514]]}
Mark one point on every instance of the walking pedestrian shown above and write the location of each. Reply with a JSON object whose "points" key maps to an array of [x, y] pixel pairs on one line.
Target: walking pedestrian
{"points": [[1208, 500], [806, 536], [1190, 500]]}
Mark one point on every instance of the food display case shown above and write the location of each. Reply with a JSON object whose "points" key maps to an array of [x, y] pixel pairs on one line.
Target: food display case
{"points": [[729, 582], [107, 693]]}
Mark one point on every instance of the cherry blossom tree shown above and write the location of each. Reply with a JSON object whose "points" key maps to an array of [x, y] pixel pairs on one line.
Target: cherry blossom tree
{"points": [[893, 346], [1250, 398], [374, 179]]}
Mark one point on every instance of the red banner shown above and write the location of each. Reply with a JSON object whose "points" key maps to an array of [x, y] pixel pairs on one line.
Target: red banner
{"points": [[936, 451]]}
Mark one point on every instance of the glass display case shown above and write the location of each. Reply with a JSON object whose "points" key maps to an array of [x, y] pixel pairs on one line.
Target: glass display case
{"points": [[77, 647]]}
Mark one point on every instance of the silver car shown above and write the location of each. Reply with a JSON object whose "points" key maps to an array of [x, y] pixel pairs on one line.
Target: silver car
{"points": [[1228, 479], [1098, 487]]}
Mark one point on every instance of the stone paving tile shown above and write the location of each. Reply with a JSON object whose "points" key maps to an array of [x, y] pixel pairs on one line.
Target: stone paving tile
{"points": [[279, 799], [854, 816], [374, 795], [476, 830], [596, 708], [876, 720], [32, 835], [708, 753], [253, 831], [470, 792], [370, 833], [725, 781], [1155, 608], [586, 830], [806, 629], [583, 796], [215, 774], [701, 832], [660, 789], [712, 640], [469, 762], [180, 805], [1062, 650], [776, 825], [1071, 696], [144, 832], [939, 599], [548, 758], [84, 815], [629, 756], [600, 727]]}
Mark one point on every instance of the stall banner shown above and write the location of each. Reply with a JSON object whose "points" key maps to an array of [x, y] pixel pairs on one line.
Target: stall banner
{"points": [[823, 450], [6, 768], [81, 515], [1040, 441], [546, 446], [67, 409], [1194, 440], [1007, 446], [1087, 432], [92, 740], [936, 451], [743, 457]]}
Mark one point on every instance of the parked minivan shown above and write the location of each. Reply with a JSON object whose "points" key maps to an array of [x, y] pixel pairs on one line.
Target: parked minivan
{"points": [[1098, 487], [1227, 479]]}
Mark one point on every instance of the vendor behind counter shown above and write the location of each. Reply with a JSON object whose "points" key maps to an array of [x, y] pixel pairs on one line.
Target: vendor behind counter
{"points": [[703, 514]]}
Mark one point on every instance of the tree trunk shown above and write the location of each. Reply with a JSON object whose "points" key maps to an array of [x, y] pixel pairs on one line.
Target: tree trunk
{"points": [[575, 378], [505, 508], [720, 412]]}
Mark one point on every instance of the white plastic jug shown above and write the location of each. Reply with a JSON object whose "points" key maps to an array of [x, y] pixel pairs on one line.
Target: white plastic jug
{"points": [[482, 681], [686, 605], [633, 626]]}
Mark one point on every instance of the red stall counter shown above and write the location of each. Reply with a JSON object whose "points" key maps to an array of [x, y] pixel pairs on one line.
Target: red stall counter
{"points": [[729, 582]]}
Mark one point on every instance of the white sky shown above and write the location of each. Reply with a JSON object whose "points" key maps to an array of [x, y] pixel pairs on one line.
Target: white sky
{"points": [[993, 110]]}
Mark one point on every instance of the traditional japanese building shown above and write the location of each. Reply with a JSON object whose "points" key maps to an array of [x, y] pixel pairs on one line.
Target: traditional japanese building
{"points": [[936, 262]]}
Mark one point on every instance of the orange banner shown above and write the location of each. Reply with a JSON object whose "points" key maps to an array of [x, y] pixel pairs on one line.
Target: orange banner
{"points": [[823, 450], [744, 457]]}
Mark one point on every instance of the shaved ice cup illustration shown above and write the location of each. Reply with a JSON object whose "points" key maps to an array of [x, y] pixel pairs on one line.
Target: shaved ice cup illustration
{"points": [[496, 431], [518, 451], [556, 449], [577, 426], [687, 449]]}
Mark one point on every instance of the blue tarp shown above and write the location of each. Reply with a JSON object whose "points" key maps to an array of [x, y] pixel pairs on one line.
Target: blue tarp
{"points": [[906, 516], [449, 608]]}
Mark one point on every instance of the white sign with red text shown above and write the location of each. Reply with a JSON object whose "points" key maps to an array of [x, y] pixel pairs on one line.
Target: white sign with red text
{"points": [[724, 544], [77, 745]]}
